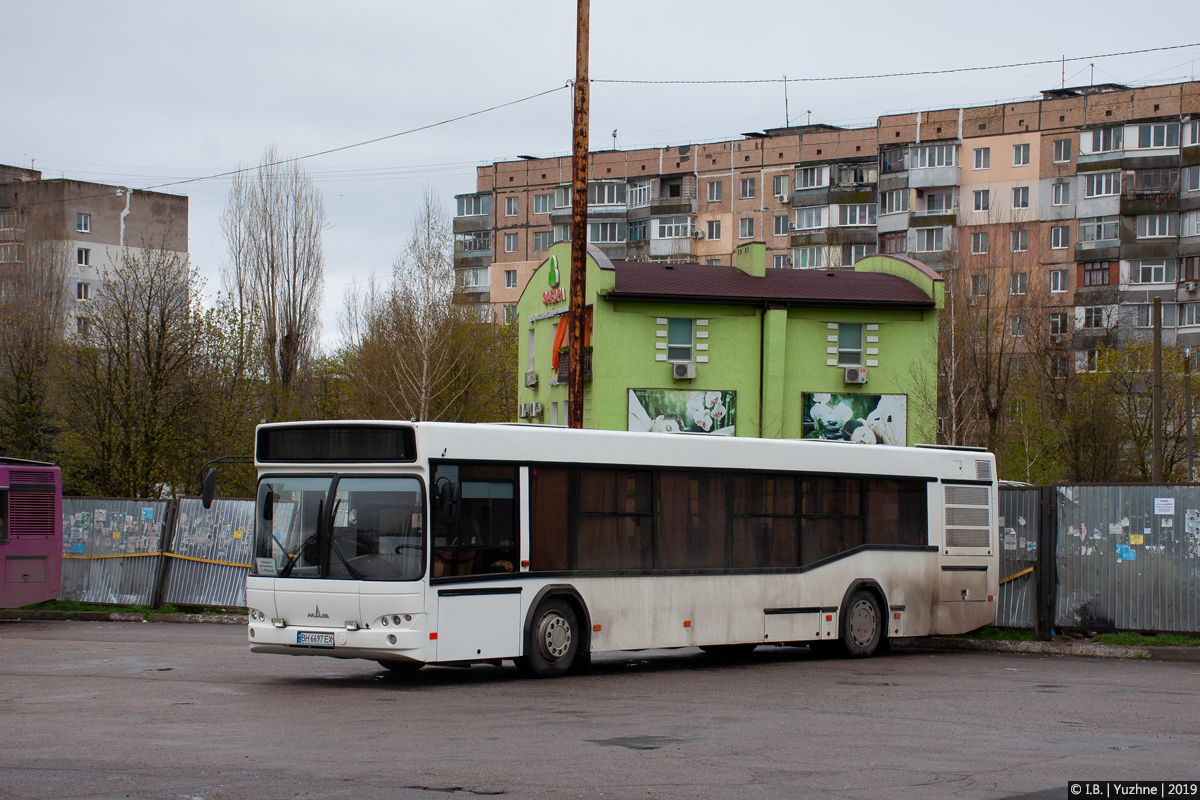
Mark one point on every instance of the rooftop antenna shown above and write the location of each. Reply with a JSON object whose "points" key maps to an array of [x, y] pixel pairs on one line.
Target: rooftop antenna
{"points": [[787, 117], [808, 119], [1064, 71], [1092, 74], [614, 138]]}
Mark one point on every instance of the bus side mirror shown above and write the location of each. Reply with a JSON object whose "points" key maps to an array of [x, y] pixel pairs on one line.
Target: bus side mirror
{"points": [[209, 488], [449, 501]]}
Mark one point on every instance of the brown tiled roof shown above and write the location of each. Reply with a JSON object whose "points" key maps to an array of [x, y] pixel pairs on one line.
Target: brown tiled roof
{"points": [[706, 283]]}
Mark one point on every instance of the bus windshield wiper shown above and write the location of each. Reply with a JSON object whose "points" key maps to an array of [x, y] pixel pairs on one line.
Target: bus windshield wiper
{"points": [[287, 568]]}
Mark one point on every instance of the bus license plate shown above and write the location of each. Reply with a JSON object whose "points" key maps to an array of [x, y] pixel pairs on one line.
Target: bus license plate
{"points": [[314, 639]]}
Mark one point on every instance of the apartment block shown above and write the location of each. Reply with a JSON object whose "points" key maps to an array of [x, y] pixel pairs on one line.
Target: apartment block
{"points": [[1085, 201], [93, 221]]}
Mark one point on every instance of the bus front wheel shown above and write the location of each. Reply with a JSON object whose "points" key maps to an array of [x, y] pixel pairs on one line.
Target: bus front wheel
{"points": [[553, 640], [862, 626]]}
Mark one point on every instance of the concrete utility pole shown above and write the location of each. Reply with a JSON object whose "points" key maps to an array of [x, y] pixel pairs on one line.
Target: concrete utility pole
{"points": [[578, 223], [1156, 411]]}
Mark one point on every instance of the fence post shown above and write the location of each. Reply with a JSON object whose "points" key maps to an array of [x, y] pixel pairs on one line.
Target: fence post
{"points": [[166, 545], [1046, 573]]}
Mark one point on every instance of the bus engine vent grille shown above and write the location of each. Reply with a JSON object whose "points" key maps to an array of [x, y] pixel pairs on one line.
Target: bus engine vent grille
{"points": [[967, 496], [983, 471], [966, 537], [968, 516]]}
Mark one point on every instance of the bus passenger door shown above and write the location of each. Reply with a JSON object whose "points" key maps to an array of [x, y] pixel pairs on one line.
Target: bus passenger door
{"points": [[479, 623]]}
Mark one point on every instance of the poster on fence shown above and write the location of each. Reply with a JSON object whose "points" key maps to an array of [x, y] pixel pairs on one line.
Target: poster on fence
{"points": [[861, 418]]}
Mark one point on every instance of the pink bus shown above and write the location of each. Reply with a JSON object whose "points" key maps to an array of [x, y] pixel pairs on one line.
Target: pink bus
{"points": [[30, 532]]}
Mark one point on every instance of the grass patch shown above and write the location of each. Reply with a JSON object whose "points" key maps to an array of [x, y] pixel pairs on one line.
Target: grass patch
{"points": [[147, 613], [1157, 640], [1009, 634]]}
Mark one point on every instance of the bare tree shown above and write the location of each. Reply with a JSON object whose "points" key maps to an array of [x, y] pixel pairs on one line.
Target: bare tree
{"points": [[272, 225], [130, 391], [33, 316]]}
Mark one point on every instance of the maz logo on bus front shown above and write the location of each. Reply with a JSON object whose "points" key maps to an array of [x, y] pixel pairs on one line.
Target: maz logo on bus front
{"points": [[316, 614]]}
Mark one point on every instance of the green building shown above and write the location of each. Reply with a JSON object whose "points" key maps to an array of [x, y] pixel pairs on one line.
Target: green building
{"points": [[740, 351]]}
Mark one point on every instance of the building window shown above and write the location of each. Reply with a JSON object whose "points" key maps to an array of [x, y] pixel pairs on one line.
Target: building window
{"points": [[1018, 282], [1160, 271], [979, 285], [1154, 226], [810, 218], [1062, 151], [639, 230], [893, 202], [892, 159], [714, 229], [934, 155], [714, 191], [983, 199], [606, 194], [1020, 197], [893, 243], [811, 177], [639, 194], [983, 157], [510, 315], [562, 197], [1189, 224], [1016, 325], [473, 278], [939, 202], [856, 215], [1189, 268], [671, 189], [1059, 366], [781, 261], [1020, 155], [1104, 140], [83, 223], [713, 262], [850, 344], [606, 232], [510, 242], [674, 227], [474, 205], [1101, 184], [1146, 315], [1061, 194], [542, 240], [81, 326], [511, 205], [1058, 323], [746, 188], [1191, 177], [979, 243], [1093, 317], [852, 174], [1158, 135], [746, 228], [1151, 181], [1019, 241], [1096, 273], [1194, 132], [542, 203], [1097, 229], [562, 232], [510, 279], [1060, 237], [779, 186], [1058, 280], [810, 257], [9, 253], [860, 251], [82, 291], [929, 240], [1189, 313], [780, 225], [83, 256], [679, 339]]}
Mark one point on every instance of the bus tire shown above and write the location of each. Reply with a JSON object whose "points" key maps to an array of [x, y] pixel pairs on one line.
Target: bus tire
{"points": [[402, 667], [729, 652], [862, 625], [553, 640]]}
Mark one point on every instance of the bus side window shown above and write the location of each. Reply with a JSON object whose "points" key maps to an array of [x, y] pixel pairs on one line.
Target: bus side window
{"points": [[483, 540]]}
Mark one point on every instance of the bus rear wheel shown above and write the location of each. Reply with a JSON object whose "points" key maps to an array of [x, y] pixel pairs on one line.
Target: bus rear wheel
{"points": [[862, 625], [553, 640]]}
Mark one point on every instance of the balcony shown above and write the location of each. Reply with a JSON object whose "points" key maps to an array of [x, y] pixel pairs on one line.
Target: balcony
{"points": [[564, 365]]}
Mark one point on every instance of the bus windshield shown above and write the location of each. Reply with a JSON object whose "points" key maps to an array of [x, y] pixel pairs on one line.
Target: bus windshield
{"points": [[341, 528]]}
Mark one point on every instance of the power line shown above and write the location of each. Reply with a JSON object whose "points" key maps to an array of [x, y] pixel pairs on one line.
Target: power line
{"points": [[950, 71]]}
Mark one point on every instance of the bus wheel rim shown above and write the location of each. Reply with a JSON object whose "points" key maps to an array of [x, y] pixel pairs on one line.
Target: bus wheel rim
{"points": [[863, 623], [554, 636]]}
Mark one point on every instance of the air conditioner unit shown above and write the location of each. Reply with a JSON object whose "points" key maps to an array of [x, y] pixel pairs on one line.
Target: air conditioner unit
{"points": [[786, 199], [523, 411], [697, 234], [1190, 286], [530, 379], [787, 260], [856, 375], [683, 371], [536, 410], [792, 226]]}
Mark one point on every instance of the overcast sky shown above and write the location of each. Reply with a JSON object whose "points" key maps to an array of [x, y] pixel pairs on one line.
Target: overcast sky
{"points": [[140, 93]]}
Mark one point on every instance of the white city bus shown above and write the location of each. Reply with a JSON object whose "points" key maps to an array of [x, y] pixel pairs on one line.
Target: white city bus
{"points": [[438, 543]]}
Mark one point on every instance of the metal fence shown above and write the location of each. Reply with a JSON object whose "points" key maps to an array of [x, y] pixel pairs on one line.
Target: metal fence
{"points": [[147, 552], [1019, 523]]}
